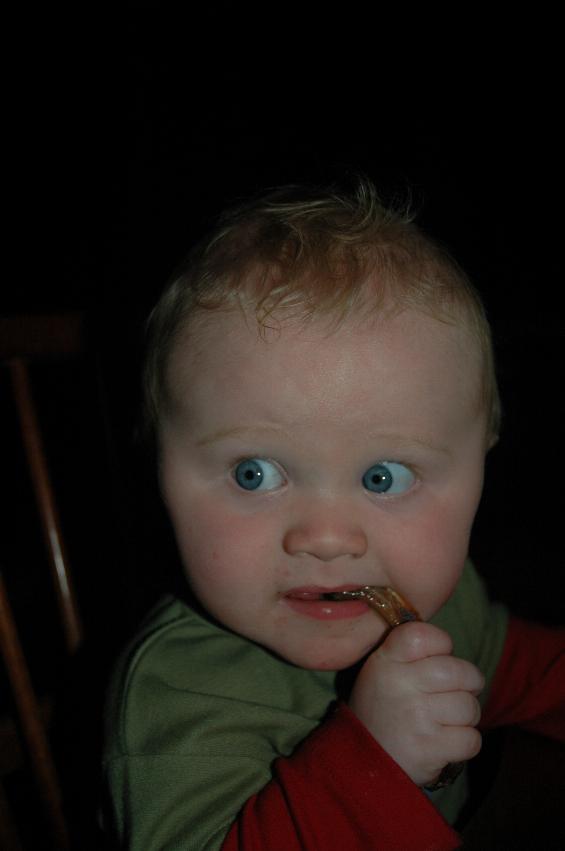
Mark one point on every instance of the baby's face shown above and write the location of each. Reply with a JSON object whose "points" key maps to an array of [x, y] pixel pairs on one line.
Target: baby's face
{"points": [[316, 461]]}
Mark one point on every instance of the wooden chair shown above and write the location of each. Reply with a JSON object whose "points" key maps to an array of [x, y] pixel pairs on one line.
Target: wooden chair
{"points": [[26, 342]]}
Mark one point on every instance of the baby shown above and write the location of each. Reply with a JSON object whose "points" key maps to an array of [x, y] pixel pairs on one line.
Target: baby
{"points": [[321, 390]]}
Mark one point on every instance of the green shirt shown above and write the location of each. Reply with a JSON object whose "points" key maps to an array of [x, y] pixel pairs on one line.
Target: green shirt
{"points": [[197, 715]]}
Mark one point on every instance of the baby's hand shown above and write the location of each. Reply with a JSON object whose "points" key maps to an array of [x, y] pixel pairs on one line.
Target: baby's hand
{"points": [[419, 702]]}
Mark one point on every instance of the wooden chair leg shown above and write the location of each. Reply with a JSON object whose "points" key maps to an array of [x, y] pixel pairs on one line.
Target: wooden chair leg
{"points": [[31, 722], [33, 445]]}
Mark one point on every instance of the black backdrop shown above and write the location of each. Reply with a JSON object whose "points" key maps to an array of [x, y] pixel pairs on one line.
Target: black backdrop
{"points": [[136, 133], [131, 136]]}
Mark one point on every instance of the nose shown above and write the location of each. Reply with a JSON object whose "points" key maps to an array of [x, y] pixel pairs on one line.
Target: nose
{"points": [[325, 535]]}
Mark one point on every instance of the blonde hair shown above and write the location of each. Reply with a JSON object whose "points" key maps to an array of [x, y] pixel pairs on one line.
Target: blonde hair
{"points": [[309, 253]]}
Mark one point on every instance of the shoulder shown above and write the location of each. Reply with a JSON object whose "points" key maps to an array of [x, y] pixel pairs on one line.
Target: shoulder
{"points": [[185, 667]]}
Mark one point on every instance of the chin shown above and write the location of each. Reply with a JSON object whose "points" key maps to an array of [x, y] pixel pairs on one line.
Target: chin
{"points": [[324, 659]]}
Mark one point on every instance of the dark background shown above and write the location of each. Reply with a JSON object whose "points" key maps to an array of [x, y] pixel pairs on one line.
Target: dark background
{"points": [[140, 132], [132, 135], [133, 130]]}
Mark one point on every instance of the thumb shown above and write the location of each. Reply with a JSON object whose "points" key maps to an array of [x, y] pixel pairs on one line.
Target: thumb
{"points": [[411, 641]]}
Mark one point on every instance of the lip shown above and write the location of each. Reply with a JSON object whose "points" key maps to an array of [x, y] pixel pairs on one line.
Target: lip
{"points": [[313, 592], [305, 601]]}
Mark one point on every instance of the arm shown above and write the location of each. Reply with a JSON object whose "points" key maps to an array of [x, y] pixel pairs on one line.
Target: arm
{"points": [[529, 686], [340, 767], [200, 752], [339, 790], [208, 735]]}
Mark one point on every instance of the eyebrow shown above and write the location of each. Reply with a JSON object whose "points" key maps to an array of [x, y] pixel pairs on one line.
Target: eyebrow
{"points": [[237, 431], [408, 442], [243, 431]]}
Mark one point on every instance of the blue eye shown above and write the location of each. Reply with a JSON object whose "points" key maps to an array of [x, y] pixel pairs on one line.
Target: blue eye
{"points": [[257, 474], [388, 477]]}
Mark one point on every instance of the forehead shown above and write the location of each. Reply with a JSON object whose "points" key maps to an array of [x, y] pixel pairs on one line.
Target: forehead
{"points": [[401, 366]]}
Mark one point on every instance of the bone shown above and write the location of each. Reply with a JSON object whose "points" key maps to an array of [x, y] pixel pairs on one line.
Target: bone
{"points": [[388, 603]]}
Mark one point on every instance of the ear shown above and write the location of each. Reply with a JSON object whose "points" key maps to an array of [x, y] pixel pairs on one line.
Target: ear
{"points": [[493, 440]]}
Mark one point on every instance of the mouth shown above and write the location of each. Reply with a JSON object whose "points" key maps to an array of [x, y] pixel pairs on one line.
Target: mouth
{"points": [[353, 600], [337, 594], [322, 603]]}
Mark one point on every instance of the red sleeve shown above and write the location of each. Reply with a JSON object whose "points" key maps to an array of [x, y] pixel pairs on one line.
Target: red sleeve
{"points": [[528, 689], [340, 790]]}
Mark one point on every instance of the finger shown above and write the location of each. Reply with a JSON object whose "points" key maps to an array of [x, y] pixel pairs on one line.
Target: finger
{"points": [[459, 744], [412, 641], [448, 674], [456, 709]]}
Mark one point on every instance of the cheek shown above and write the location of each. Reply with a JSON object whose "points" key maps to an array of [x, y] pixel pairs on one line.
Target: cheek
{"points": [[433, 555], [218, 546]]}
